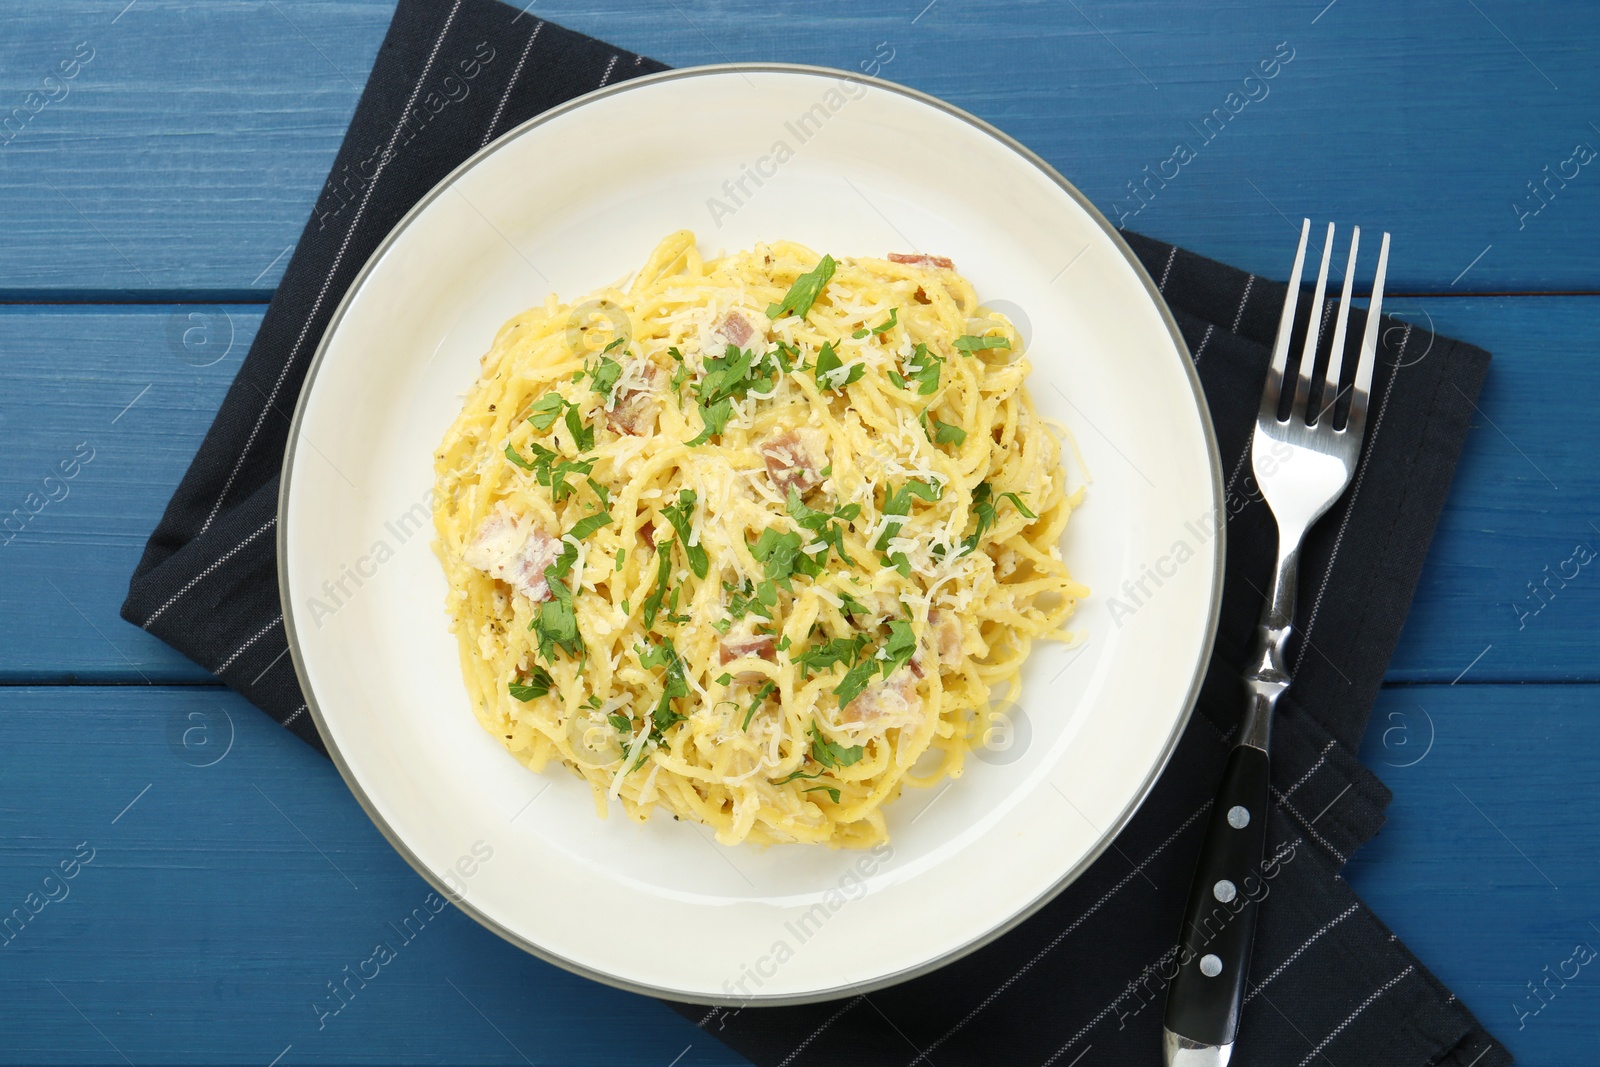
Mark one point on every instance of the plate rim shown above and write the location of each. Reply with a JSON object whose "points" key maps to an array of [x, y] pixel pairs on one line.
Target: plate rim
{"points": [[1114, 827]]}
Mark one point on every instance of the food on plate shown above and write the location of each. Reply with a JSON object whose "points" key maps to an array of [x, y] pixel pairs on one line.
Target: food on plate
{"points": [[755, 539]]}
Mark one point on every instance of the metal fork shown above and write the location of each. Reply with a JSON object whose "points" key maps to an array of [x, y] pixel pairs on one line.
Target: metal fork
{"points": [[1302, 464]]}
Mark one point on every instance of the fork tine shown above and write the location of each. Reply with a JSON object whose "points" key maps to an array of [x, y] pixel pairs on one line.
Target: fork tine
{"points": [[1330, 385], [1369, 347], [1280, 345], [1308, 355]]}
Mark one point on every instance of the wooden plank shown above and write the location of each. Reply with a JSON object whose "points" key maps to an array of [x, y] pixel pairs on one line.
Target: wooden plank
{"points": [[187, 153], [1486, 865], [101, 410], [221, 900], [206, 912], [67, 373], [1523, 508]]}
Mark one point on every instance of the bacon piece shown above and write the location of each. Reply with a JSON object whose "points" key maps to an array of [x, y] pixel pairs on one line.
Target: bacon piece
{"points": [[943, 635], [515, 551], [761, 646], [735, 328], [795, 459], [918, 259], [944, 629], [633, 409], [648, 533], [887, 703]]}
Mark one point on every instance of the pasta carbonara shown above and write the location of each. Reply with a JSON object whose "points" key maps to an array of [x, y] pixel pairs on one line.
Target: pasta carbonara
{"points": [[753, 538]]}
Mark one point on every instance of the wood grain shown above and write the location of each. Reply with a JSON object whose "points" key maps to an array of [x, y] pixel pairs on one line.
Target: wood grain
{"points": [[217, 908], [186, 155], [120, 386], [1486, 867]]}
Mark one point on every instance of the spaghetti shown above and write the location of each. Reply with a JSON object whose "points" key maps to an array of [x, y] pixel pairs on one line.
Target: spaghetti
{"points": [[753, 538]]}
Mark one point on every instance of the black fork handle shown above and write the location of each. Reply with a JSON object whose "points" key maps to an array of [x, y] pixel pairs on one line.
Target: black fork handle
{"points": [[1219, 923]]}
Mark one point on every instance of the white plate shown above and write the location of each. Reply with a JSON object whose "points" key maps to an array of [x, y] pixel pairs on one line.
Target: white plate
{"points": [[572, 200]]}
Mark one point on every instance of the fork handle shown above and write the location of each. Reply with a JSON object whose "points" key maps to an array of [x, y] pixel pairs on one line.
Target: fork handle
{"points": [[1219, 923], [1205, 997]]}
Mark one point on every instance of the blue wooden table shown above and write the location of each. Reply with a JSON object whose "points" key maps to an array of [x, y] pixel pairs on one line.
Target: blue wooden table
{"points": [[157, 161]]}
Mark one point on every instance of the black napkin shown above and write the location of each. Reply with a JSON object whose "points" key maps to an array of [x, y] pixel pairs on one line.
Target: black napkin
{"points": [[1083, 980]]}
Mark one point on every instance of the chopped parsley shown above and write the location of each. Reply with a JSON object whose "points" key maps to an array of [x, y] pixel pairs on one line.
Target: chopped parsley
{"points": [[888, 325], [557, 479], [550, 471], [787, 357], [678, 514], [852, 606], [897, 507], [556, 624], [546, 410], [511, 454], [832, 536], [819, 658], [582, 435], [900, 647], [545, 463], [923, 369], [713, 420], [600, 491], [732, 374], [864, 661], [604, 377], [681, 373], [658, 592], [967, 344], [804, 292], [831, 754], [728, 377], [746, 598], [761, 695], [781, 557], [813, 519], [944, 433], [825, 524], [984, 511], [589, 524], [796, 774], [674, 684], [563, 564], [829, 365], [538, 684], [550, 407], [855, 680]]}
